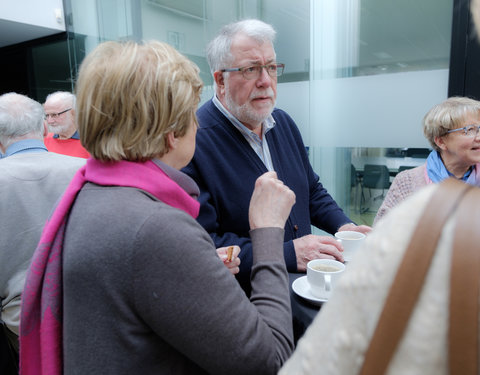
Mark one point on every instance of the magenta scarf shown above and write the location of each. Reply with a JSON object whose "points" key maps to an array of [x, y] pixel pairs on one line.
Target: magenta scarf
{"points": [[41, 338]]}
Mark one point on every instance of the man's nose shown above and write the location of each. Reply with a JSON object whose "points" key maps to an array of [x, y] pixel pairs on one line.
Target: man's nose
{"points": [[264, 80]]}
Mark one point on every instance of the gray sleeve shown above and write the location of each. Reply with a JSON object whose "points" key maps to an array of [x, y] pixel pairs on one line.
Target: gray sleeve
{"points": [[191, 301]]}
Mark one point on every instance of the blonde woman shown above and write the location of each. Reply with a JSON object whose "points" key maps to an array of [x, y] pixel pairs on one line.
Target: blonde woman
{"points": [[452, 128], [124, 279]]}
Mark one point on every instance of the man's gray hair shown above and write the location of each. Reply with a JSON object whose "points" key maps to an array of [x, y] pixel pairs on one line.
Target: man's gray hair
{"points": [[65, 97], [218, 50], [19, 116]]}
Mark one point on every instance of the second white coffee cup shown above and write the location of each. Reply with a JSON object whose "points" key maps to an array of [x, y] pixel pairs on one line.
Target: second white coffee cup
{"points": [[351, 242], [322, 274]]}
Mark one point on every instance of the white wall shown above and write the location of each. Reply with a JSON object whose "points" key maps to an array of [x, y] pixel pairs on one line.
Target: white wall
{"points": [[163, 25], [33, 12]]}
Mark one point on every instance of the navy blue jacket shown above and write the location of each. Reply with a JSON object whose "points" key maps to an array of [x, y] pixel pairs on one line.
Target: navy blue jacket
{"points": [[225, 168]]}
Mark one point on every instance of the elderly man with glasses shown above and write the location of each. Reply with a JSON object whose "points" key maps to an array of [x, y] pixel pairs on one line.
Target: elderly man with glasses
{"points": [[241, 136], [60, 118]]}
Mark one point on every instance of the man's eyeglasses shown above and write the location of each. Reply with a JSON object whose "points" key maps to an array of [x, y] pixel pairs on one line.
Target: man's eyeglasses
{"points": [[470, 131], [254, 71], [53, 116]]}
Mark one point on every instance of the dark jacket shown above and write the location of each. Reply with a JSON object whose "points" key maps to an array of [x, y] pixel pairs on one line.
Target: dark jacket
{"points": [[225, 167]]}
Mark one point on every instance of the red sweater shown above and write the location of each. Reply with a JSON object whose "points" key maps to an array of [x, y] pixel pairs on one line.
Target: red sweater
{"points": [[70, 146]]}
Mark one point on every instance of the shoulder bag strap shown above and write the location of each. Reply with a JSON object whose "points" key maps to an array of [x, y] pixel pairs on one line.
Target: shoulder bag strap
{"points": [[463, 344], [410, 276]]}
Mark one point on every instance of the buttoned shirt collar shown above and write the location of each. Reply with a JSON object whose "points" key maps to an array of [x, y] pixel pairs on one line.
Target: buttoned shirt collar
{"points": [[25, 146], [259, 145], [74, 135]]}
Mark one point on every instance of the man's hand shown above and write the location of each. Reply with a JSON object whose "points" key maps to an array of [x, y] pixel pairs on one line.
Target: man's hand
{"points": [[312, 247], [355, 228]]}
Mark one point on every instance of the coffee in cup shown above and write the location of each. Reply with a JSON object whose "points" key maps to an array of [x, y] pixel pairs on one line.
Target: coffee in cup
{"points": [[351, 242], [325, 268], [322, 274]]}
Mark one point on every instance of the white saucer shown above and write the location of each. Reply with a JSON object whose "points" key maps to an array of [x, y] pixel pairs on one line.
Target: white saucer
{"points": [[301, 288]]}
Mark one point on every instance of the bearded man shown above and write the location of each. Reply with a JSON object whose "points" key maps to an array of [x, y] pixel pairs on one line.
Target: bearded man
{"points": [[242, 136], [63, 136]]}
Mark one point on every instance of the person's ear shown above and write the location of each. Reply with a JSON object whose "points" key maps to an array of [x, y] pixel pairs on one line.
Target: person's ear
{"points": [[220, 82], [440, 142], [45, 129], [172, 141]]}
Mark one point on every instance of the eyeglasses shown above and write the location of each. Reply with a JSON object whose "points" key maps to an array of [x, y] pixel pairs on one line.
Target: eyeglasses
{"points": [[255, 71], [470, 131], [53, 116]]}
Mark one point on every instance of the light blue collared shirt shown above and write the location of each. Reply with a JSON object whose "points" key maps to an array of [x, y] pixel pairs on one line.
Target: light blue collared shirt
{"points": [[25, 146], [259, 145]]}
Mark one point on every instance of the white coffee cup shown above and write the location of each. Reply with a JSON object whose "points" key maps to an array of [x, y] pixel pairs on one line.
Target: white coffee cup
{"points": [[351, 242], [322, 274]]}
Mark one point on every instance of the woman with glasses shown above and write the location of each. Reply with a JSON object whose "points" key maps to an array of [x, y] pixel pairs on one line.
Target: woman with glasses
{"points": [[452, 128], [124, 279]]}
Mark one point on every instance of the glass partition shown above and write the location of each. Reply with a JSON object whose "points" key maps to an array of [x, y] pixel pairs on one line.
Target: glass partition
{"points": [[359, 76], [377, 67]]}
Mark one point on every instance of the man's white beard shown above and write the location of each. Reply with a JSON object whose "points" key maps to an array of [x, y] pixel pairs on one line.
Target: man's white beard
{"points": [[245, 113], [58, 129]]}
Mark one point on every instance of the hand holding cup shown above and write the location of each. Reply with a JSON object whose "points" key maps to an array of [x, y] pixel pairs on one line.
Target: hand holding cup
{"points": [[351, 242]]}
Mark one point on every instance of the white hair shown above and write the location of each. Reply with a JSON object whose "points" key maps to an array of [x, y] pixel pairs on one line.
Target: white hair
{"points": [[63, 96], [218, 50], [19, 116]]}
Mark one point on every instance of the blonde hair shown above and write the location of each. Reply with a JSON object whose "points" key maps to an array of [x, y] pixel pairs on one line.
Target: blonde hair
{"points": [[450, 114], [130, 96]]}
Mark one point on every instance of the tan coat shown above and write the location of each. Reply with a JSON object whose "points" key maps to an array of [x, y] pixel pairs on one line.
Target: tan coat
{"points": [[336, 341]]}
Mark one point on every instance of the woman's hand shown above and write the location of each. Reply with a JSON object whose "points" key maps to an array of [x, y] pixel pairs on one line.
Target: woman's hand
{"points": [[234, 262], [271, 202]]}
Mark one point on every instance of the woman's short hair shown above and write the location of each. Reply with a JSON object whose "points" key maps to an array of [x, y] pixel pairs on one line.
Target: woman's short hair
{"points": [[450, 114], [130, 96], [218, 50]]}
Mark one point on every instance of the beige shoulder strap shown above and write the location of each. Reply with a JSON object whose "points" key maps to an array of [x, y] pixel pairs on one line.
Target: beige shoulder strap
{"points": [[464, 288], [399, 304]]}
